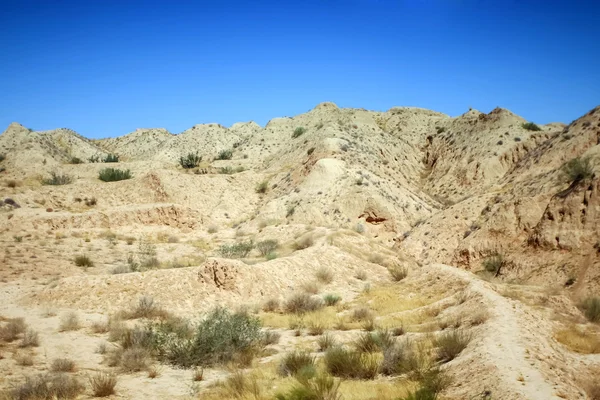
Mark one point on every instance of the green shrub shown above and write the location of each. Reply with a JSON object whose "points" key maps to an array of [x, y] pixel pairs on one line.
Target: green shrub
{"points": [[494, 263], [267, 246], [530, 126], [110, 158], [236, 250], [58, 179], [83, 261], [94, 159], [300, 303], [114, 174], [192, 160], [75, 160], [331, 299], [351, 364], [440, 129], [577, 170], [450, 344], [293, 362], [591, 308], [298, 132], [225, 155], [271, 256], [262, 187], [371, 342]]}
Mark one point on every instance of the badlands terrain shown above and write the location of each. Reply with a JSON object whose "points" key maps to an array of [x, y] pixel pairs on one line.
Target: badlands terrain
{"points": [[339, 254]]}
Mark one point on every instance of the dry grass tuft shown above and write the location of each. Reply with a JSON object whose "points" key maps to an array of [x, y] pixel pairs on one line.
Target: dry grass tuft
{"points": [[103, 384], [301, 303], [348, 364], [69, 322], [48, 386], [579, 339], [62, 365], [11, 330], [292, 363], [324, 275], [451, 344]]}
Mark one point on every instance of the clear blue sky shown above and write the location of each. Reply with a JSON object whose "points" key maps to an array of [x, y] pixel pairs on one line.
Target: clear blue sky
{"points": [[105, 68]]}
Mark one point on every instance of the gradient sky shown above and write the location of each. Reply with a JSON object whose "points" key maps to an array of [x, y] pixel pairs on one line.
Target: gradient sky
{"points": [[105, 68]]}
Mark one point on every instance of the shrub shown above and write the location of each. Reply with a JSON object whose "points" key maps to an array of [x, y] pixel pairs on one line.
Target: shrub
{"points": [[577, 170], [135, 359], [326, 342], [271, 256], [30, 339], [324, 275], [494, 263], [270, 337], [431, 383], [315, 328], [226, 171], [110, 158], [236, 250], [398, 273], [301, 303], [225, 155], [103, 384], [94, 159], [48, 386], [450, 344], [350, 364], [313, 387], [192, 160], [530, 126], [310, 287], [62, 365], [372, 342], [69, 322], [293, 362], [331, 299], [114, 174], [58, 179], [75, 160], [262, 187], [146, 307], [271, 305], [2, 157], [298, 132], [304, 242], [362, 314], [591, 308], [267, 246], [83, 261], [11, 330]]}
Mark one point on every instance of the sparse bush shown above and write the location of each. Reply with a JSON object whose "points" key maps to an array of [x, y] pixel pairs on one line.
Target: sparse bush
{"points": [[83, 261], [270, 337], [530, 126], [62, 365], [325, 342], [103, 384], [192, 160], [30, 339], [312, 386], [47, 386], [75, 160], [262, 187], [94, 159], [293, 362], [301, 303], [324, 275], [494, 263], [146, 307], [267, 246], [577, 170], [111, 158], [298, 132], [135, 359], [315, 328], [226, 170], [450, 344], [331, 299], [374, 341], [362, 314], [236, 250], [58, 179], [114, 174], [24, 359], [69, 322], [591, 308], [11, 330], [2, 157], [304, 242], [271, 305], [225, 155], [350, 364], [398, 273]]}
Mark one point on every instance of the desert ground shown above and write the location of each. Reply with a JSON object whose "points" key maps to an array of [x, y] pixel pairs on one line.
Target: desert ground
{"points": [[338, 254]]}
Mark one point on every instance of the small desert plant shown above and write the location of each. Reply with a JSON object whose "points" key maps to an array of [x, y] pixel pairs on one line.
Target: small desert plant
{"points": [[312, 386], [577, 170], [348, 364], [262, 187], [310, 287], [267, 246], [226, 170], [361, 275], [146, 307], [298, 132], [236, 250], [62, 365], [94, 159], [591, 308], [135, 359], [450, 344], [225, 155], [530, 126], [324, 275], [270, 337], [2, 157], [304, 242], [315, 328], [374, 341], [198, 375], [58, 179], [110, 158], [331, 299], [47, 386], [192, 160], [114, 174], [69, 322], [326, 342], [361, 314], [301, 303], [293, 362], [398, 273], [75, 160], [24, 359], [494, 263], [83, 261], [271, 305], [103, 384], [11, 330], [30, 339]]}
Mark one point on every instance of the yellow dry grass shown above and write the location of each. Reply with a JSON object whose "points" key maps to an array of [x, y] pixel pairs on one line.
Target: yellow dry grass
{"points": [[580, 339]]}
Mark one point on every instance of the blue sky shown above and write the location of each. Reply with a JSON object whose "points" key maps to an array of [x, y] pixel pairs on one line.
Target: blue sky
{"points": [[105, 68]]}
